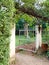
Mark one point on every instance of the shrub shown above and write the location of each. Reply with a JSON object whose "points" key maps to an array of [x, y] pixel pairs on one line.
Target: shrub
{"points": [[48, 54], [6, 18]]}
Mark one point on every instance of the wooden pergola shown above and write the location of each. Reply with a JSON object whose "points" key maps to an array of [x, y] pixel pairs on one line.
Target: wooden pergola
{"points": [[31, 12]]}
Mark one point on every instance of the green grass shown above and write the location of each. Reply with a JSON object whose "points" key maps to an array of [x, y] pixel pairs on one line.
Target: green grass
{"points": [[23, 40]]}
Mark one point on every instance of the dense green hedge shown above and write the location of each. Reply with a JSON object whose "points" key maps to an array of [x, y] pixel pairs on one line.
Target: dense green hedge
{"points": [[6, 18]]}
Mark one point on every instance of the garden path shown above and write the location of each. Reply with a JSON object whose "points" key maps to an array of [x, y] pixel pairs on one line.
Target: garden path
{"points": [[26, 59]]}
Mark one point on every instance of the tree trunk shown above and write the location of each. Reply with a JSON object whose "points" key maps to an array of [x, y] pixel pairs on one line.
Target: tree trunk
{"points": [[38, 37]]}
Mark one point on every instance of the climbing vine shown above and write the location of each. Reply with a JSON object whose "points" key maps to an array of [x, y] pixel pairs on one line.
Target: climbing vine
{"points": [[6, 22]]}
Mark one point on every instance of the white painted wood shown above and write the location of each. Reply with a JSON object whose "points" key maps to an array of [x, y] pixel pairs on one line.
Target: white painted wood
{"points": [[12, 42], [38, 38]]}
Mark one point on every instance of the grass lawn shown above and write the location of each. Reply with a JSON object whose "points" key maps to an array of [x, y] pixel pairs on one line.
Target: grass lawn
{"points": [[23, 40]]}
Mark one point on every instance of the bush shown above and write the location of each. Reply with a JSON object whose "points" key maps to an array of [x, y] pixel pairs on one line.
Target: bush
{"points": [[48, 54], [6, 18]]}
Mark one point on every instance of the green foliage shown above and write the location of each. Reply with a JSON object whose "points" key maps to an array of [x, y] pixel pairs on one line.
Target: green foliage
{"points": [[24, 18], [48, 54], [43, 25], [20, 24], [29, 3], [6, 21], [29, 19], [43, 12]]}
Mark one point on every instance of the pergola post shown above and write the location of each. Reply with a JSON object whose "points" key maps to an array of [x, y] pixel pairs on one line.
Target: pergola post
{"points": [[26, 30], [38, 36], [12, 44]]}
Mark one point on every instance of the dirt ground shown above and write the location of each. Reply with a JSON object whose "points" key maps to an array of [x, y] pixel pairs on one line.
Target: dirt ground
{"points": [[28, 58], [24, 59]]}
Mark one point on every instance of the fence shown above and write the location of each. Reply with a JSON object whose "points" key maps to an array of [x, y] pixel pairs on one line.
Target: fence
{"points": [[30, 37], [26, 39]]}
